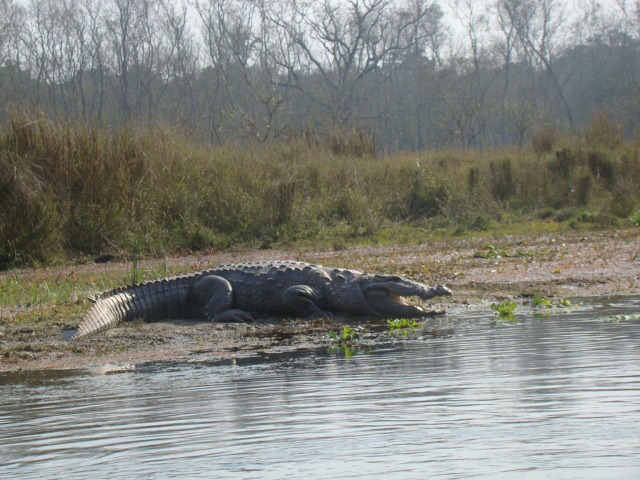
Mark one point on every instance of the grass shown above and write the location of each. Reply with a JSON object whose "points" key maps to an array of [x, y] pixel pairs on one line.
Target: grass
{"points": [[505, 310], [43, 295], [70, 190]]}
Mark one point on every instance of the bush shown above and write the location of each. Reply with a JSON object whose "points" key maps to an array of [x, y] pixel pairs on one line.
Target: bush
{"points": [[602, 167], [503, 184], [604, 132], [29, 219], [565, 163], [356, 142], [544, 140], [625, 199], [427, 198]]}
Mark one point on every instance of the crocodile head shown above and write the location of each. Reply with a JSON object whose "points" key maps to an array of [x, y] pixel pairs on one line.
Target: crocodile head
{"points": [[386, 295]]}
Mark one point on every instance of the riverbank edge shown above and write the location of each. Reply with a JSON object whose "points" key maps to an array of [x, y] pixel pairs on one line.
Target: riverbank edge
{"points": [[479, 271]]}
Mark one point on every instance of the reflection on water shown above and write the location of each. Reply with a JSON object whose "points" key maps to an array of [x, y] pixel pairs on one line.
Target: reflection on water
{"points": [[547, 398]]}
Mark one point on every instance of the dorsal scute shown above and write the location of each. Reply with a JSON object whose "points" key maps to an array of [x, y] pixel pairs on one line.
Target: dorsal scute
{"points": [[258, 267], [121, 289]]}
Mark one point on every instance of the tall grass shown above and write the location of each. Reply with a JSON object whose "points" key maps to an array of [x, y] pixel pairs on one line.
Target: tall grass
{"points": [[68, 188]]}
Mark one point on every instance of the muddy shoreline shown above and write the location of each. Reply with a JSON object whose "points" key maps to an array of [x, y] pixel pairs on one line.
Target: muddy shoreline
{"points": [[478, 270]]}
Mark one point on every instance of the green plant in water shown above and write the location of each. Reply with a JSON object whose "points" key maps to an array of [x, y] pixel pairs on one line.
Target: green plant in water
{"points": [[402, 324], [505, 310], [543, 302], [347, 336], [344, 341], [539, 303]]}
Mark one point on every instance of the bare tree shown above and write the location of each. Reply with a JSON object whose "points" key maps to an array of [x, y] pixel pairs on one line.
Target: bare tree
{"points": [[505, 48], [11, 18], [341, 43], [94, 99], [409, 79], [139, 52], [64, 51], [538, 25], [214, 17], [243, 46], [183, 63], [252, 69], [14, 73], [468, 106]]}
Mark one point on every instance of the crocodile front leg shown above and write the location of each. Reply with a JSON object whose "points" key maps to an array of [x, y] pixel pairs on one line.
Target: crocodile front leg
{"points": [[216, 295], [304, 301]]}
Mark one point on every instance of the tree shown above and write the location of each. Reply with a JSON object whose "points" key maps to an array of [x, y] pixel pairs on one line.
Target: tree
{"points": [[139, 50], [338, 45], [242, 45], [538, 24]]}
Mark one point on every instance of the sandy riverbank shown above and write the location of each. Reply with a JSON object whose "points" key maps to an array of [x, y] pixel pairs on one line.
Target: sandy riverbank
{"points": [[479, 271]]}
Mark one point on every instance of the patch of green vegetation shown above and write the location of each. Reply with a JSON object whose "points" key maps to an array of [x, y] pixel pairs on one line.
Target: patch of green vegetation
{"points": [[344, 342], [35, 296], [402, 324], [543, 305], [544, 302], [505, 310], [489, 251], [346, 337]]}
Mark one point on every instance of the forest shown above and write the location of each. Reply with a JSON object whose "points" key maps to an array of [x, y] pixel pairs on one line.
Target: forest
{"points": [[403, 75]]}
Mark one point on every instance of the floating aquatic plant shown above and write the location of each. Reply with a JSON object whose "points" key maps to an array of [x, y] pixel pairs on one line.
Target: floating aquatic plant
{"points": [[505, 310], [542, 305]]}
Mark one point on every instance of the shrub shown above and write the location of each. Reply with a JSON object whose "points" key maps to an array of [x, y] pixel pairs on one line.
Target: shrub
{"points": [[602, 167], [565, 163], [604, 132], [584, 189], [503, 183], [356, 142], [29, 218], [544, 140], [426, 198], [625, 199]]}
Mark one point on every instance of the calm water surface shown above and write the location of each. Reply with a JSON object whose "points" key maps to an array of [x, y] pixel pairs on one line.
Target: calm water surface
{"points": [[557, 397]]}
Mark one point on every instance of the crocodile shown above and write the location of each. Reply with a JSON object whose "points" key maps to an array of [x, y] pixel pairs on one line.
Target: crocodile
{"points": [[238, 292]]}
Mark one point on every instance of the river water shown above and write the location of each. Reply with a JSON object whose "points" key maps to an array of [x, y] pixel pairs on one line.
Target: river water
{"points": [[552, 397]]}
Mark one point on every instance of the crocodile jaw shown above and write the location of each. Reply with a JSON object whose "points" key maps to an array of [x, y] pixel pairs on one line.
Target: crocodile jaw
{"points": [[390, 305]]}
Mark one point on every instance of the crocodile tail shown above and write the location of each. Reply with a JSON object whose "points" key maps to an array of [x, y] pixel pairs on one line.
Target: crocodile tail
{"points": [[150, 301]]}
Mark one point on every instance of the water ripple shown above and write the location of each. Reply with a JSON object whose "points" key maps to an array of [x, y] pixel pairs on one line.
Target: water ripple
{"points": [[556, 398]]}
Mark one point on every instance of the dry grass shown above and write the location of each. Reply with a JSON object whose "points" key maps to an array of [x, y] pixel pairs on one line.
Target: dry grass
{"points": [[69, 189]]}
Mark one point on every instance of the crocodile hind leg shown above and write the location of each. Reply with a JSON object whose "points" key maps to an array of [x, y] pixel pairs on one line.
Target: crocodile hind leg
{"points": [[304, 301], [214, 298]]}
